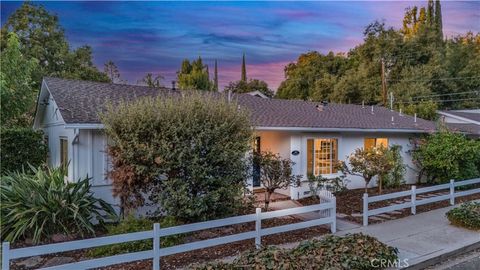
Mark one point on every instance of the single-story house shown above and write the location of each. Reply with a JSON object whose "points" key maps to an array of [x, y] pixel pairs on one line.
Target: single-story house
{"points": [[465, 121], [314, 135]]}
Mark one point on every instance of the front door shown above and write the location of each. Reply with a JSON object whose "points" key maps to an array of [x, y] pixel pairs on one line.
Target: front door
{"points": [[256, 165]]}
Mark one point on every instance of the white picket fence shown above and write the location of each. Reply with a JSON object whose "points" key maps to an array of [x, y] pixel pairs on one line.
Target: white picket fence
{"points": [[414, 202], [327, 208]]}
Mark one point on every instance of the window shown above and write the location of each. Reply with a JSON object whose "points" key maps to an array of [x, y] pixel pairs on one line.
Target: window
{"points": [[322, 154], [375, 142], [64, 152]]}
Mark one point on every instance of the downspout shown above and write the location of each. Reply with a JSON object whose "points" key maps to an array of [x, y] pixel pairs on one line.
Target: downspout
{"points": [[75, 154]]}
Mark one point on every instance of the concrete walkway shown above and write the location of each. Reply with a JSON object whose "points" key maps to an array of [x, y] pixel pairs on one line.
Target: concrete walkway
{"points": [[423, 237]]}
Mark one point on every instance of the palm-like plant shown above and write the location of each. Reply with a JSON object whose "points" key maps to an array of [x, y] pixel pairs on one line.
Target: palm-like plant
{"points": [[41, 204]]}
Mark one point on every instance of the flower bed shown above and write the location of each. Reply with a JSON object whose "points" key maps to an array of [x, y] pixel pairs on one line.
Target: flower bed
{"points": [[356, 251]]}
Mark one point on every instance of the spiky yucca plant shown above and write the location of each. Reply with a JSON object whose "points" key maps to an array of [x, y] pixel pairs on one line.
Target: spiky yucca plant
{"points": [[42, 203]]}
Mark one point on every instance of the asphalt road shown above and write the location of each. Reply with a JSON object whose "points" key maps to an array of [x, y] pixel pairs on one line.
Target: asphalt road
{"points": [[467, 261]]}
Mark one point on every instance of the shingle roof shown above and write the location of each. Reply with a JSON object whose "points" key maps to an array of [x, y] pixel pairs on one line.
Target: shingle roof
{"points": [[475, 116], [472, 129], [80, 101]]}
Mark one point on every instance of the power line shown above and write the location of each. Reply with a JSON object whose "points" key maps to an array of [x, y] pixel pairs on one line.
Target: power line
{"points": [[439, 79], [449, 94], [445, 100]]}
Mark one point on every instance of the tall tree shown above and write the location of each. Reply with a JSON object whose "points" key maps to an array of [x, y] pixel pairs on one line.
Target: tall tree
{"points": [[438, 19], [215, 77], [430, 13], [151, 80], [244, 69], [112, 72], [41, 37], [194, 76], [17, 91]]}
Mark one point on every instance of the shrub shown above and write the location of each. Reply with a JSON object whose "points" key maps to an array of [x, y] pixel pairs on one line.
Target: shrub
{"points": [[445, 155], [21, 146], [317, 183], [355, 251], [275, 173], [466, 215], [41, 204], [395, 177], [188, 152], [132, 224]]}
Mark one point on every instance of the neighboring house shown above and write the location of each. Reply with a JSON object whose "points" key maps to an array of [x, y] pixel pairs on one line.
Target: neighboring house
{"points": [[314, 135], [466, 121]]}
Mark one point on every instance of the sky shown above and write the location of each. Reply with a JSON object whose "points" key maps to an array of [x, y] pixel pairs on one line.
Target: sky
{"points": [[154, 37]]}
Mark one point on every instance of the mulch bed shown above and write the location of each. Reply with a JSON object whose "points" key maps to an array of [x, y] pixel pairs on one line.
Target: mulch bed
{"points": [[207, 254], [351, 202]]}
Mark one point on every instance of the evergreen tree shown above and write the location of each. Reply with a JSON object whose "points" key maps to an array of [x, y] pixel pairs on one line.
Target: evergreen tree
{"points": [[244, 69], [194, 76], [438, 19], [430, 14], [215, 78]]}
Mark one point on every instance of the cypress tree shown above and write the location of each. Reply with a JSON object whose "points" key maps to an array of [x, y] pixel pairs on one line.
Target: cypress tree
{"points": [[244, 69], [438, 19], [430, 13], [215, 77]]}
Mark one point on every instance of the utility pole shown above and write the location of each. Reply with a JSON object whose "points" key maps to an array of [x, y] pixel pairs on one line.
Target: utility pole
{"points": [[384, 84]]}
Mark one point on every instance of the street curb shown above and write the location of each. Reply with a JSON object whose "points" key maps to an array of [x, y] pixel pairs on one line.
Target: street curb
{"points": [[443, 257]]}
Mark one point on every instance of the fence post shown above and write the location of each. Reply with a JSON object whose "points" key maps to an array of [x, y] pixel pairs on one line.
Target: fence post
{"points": [[156, 246], [452, 192], [5, 255], [258, 228], [414, 200], [365, 209], [333, 215]]}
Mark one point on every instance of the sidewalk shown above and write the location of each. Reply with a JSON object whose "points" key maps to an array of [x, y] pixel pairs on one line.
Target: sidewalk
{"points": [[422, 237]]}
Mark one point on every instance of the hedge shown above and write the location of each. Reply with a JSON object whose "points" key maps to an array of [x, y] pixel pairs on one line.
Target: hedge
{"points": [[20, 147]]}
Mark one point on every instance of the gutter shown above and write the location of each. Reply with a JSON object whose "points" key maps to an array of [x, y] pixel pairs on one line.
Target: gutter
{"points": [[262, 128], [311, 129]]}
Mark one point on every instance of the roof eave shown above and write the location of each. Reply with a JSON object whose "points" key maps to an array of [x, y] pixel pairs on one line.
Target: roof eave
{"points": [[314, 129]]}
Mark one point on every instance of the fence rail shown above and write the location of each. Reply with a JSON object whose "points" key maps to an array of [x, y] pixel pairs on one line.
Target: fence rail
{"points": [[326, 210], [414, 201]]}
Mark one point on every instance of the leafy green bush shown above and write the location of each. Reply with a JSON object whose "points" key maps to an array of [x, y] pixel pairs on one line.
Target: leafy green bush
{"points": [[317, 183], [395, 177], [132, 224], [466, 215], [355, 251], [445, 155], [41, 204], [195, 142], [21, 146]]}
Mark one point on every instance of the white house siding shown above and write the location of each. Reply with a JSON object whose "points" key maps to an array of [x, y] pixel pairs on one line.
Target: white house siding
{"points": [[276, 142], [287, 142]]}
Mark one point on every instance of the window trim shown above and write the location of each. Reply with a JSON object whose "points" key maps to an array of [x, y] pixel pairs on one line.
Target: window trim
{"points": [[61, 152], [305, 144], [375, 142]]}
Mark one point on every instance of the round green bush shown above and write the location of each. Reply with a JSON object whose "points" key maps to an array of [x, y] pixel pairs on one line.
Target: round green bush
{"points": [[466, 215]]}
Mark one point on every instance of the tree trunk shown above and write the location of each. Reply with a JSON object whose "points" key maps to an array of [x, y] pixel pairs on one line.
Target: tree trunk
{"points": [[267, 199], [380, 181]]}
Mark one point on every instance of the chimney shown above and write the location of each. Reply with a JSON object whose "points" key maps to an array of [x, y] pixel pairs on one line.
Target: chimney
{"points": [[173, 85]]}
